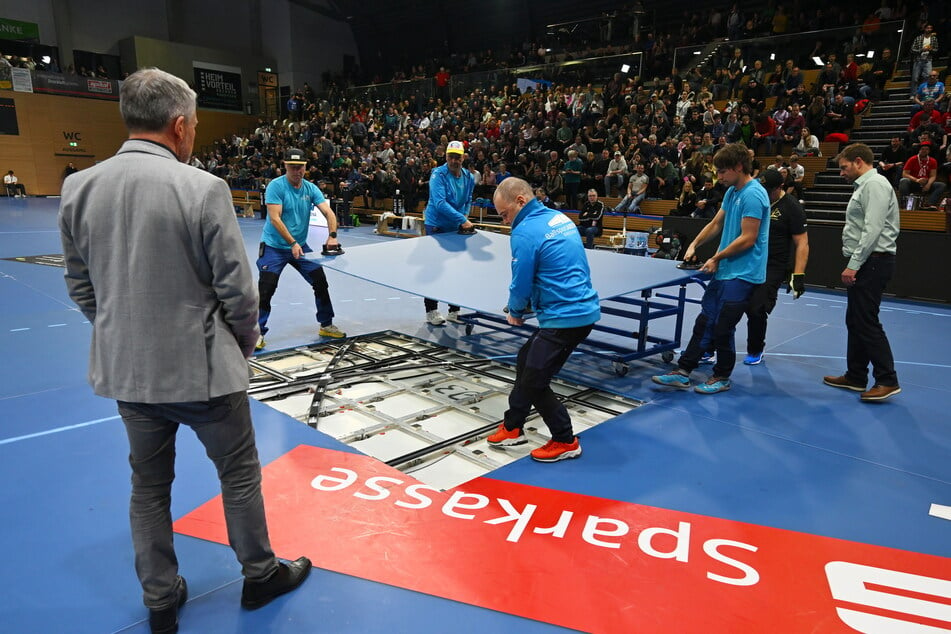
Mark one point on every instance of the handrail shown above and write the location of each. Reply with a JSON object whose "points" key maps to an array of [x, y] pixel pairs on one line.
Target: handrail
{"points": [[425, 88], [787, 42]]}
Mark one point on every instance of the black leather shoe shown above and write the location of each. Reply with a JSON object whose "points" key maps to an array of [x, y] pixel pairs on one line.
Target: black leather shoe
{"points": [[165, 621], [257, 594]]}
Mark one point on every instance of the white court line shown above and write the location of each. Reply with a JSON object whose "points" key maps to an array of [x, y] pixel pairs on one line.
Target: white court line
{"points": [[885, 308], [16, 233], [819, 356], [369, 299], [939, 510], [68, 305], [57, 430], [18, 329], [54, 325]]}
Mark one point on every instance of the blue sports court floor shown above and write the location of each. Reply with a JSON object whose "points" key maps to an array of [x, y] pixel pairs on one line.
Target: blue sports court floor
{"points": [[808, 474]]}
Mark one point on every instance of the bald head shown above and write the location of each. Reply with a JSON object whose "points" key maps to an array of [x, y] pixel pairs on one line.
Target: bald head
{"points": [[510, 196], [511, 187]]}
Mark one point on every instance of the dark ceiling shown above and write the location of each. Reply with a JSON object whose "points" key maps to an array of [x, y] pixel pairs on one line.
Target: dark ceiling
{"points": [[405, 32]]}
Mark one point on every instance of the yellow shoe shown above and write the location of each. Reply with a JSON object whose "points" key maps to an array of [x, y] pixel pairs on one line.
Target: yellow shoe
{"points": [[332, 331], [260, 344]]}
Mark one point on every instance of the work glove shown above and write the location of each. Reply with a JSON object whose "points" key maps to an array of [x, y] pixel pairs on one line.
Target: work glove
{"points": [[796, 285]]}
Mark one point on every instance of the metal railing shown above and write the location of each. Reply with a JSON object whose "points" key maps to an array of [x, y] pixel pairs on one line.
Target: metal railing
{"points": [[799, 47], [570, 72]]}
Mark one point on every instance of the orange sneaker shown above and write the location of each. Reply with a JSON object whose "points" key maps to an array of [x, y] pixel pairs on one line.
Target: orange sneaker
{"points": [[553, 451], [505, 438]]}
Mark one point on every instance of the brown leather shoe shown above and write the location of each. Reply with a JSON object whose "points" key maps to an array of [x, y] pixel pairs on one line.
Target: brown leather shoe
{"points": [[843, 382], [880, 392]]}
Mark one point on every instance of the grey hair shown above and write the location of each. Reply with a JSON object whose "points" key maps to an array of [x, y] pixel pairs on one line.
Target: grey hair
{"points": [[150, 99]]}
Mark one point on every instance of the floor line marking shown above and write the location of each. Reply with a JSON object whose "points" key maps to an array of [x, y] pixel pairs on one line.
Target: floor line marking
{"points": [[885, 308], [772, 434], [16, 233], [54, 325], [820, 356], [802, 334], [7, 441], [67, 305], [939, 510], [18, 329]]}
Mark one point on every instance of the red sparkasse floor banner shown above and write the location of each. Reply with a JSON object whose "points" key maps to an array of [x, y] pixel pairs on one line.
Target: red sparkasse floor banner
{"points": [[584, 562]]}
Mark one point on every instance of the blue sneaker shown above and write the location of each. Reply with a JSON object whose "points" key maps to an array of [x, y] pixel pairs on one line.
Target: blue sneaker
{"points": [[713, 385], [753, 359], [672, 379], [708, 358]]}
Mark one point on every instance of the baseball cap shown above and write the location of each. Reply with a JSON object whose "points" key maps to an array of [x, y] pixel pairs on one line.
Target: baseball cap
{"points": [[772, 179], [294, 156], [455, 147]]}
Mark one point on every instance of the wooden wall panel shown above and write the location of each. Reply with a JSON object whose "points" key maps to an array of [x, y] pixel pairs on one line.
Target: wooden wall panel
{"points": [[48, 123]]}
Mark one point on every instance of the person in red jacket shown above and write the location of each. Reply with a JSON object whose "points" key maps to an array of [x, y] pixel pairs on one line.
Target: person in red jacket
{"points": [[918, 176], [764, 131]]}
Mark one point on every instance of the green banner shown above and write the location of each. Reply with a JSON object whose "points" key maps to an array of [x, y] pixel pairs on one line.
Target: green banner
{"points": [[13, 30]]}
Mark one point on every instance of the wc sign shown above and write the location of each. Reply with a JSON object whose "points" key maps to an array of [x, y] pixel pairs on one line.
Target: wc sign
{"points": [[627, 567]]}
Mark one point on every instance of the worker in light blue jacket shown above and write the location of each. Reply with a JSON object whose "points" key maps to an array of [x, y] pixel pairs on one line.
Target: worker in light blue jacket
{"points": [[550, 270], [447, 211]]}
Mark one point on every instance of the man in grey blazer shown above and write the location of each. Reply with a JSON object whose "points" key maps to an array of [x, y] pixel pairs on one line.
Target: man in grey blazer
{"points": [[173, 320]]}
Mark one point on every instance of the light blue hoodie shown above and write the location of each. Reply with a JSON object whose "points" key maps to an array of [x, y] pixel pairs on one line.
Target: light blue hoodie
{"points": [[550, 269], [450, 198]]}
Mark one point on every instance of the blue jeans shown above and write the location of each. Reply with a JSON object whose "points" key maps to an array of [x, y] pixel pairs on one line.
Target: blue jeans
{"points": [[589, 234], [630, 204], [271, 262], [223, 425], [722, 307], [920, 69]]}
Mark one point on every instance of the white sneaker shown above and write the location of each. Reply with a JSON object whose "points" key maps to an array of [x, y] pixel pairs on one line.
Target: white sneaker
{"points": [[435, 319], [453, 316]]}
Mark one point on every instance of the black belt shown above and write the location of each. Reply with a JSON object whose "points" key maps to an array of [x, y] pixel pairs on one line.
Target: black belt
{"points": [[880, 254]]}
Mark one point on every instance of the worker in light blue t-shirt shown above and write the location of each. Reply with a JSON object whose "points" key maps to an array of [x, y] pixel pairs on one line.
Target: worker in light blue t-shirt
{"points": [[738, 265], [289, 200]]}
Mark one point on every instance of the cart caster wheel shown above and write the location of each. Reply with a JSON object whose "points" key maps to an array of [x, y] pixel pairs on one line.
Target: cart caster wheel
{"points": [[667, 356], [620, 368], [468, 329]]}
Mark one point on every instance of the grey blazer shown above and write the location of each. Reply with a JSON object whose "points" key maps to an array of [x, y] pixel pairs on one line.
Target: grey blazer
{"points": [[155, 260]]}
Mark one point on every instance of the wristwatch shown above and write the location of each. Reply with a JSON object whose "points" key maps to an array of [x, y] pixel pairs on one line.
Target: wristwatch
{"points": [[333, 234]]}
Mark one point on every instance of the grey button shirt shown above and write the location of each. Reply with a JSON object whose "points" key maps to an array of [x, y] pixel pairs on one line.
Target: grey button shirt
{"points": [[871, 219]]}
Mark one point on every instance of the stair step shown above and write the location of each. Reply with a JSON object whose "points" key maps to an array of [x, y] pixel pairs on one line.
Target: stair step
{"points": [[825, 205], [827, 197], [890, 120]]}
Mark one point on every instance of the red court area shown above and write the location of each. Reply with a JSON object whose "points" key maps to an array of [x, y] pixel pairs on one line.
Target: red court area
{"points": [[584, 562]]}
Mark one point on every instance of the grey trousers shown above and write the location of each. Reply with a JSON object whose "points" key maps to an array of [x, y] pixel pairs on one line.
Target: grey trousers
{"points": [[223, 425]]}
